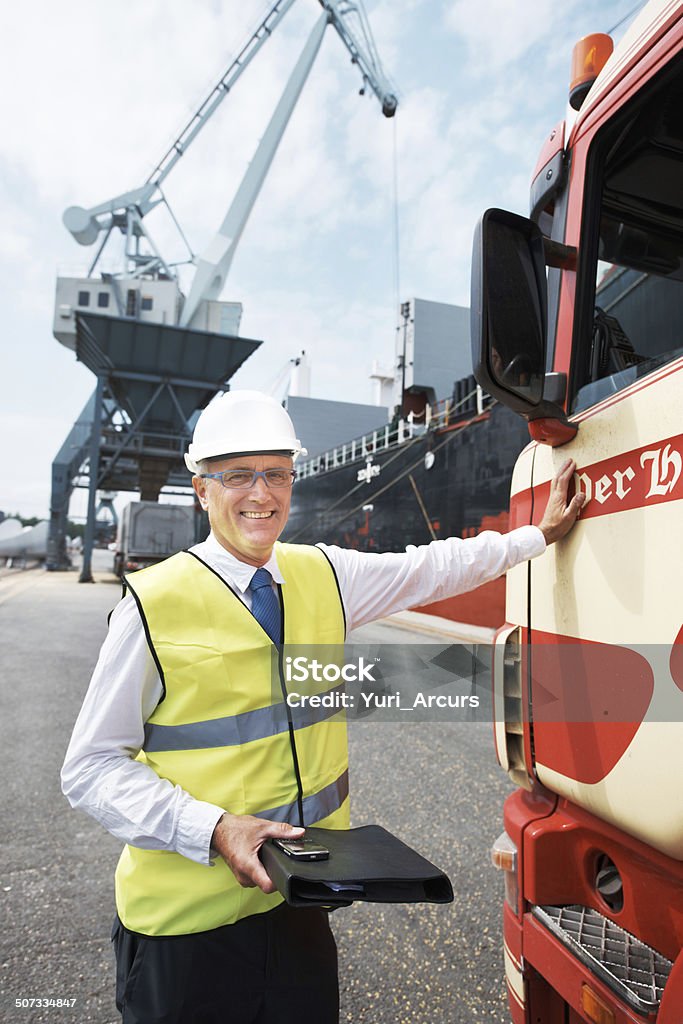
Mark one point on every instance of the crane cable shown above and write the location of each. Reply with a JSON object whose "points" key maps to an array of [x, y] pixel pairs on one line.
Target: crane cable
{"points": [[397, 287], [397, 246]]}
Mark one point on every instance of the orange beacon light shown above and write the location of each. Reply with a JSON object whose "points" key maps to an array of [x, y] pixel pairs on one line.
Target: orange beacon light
{"points": [[589, 57]]}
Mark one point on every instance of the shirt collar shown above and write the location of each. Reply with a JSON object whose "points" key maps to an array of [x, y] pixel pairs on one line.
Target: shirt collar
{"points": [[240, 573]]}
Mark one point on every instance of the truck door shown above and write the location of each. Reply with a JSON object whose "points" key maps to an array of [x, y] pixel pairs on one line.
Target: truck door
{"points": [[605, 608]]}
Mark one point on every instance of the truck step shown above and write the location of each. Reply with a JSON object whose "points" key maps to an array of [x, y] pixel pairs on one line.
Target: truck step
{"points": [[634, 971]]}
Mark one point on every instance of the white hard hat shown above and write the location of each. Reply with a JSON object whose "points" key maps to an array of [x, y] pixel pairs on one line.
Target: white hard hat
{"points": [[241, 422]]}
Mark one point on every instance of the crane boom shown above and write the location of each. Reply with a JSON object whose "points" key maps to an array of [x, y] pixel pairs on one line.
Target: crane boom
{"points": [[214, 263], [361, 46], [127, 207], [127, 210], [219, 92]]}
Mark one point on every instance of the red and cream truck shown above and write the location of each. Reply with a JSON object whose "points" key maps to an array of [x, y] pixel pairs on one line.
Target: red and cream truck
{"points": [[578, 326]]}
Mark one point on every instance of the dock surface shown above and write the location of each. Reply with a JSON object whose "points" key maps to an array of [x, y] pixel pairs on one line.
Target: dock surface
{"points": [[435, 784]]}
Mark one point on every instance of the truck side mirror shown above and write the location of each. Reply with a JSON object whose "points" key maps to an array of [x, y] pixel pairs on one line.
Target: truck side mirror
{"points": [[508, 309], [509, 322]]}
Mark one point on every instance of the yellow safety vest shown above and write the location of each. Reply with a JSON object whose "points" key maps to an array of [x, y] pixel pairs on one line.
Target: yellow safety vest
{"points": [[224, 732]]}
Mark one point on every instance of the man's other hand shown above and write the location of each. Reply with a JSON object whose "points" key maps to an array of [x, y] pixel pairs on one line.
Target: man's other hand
{"points": [[239, 837], [559, 517]]}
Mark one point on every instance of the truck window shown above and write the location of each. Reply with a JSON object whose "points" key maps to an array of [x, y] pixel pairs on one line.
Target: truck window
{"points": [[631, 319]]}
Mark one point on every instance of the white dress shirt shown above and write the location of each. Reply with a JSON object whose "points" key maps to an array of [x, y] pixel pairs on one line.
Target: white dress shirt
{"points": [[100, 775]]}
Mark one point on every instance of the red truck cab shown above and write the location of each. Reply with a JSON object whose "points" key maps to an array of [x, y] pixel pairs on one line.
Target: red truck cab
{"points": [[578, 326]]}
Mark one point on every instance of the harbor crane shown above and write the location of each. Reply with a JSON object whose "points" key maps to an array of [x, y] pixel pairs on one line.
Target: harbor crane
{"points": [[160, 355]]}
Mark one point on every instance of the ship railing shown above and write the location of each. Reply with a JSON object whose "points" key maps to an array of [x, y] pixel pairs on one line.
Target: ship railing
{"points": [[433, 417]]}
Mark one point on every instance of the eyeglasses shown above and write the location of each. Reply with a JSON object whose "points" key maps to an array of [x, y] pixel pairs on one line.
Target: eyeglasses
{"points": [[243, 479]]}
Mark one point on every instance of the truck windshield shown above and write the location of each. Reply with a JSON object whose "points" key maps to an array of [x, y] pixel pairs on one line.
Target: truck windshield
{"points": [[637, 321]]}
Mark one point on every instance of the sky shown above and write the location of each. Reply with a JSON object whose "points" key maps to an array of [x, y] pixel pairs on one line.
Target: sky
{"points": [[93, 95]]}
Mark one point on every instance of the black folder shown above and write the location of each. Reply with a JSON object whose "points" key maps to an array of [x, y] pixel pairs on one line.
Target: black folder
{"points": [[366, 863]]}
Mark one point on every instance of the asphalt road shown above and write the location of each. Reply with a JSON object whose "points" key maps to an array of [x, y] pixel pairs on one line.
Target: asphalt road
{"points": [[434, 784]]}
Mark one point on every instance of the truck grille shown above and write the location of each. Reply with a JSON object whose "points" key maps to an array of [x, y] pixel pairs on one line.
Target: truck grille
{"points": [[634, 972]]}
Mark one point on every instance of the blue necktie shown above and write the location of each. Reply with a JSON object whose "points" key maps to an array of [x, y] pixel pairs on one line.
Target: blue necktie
{"points": [[265, 606]]}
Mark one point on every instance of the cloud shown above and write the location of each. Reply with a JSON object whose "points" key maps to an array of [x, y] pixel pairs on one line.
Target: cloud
{"points": [[498, 33]]}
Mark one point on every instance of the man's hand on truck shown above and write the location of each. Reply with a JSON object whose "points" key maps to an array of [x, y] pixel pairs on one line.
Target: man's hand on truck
{"points": [[559, 517]]}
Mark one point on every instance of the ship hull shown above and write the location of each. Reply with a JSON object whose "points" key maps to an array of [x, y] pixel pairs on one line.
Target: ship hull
{"points": [[452, 481]]}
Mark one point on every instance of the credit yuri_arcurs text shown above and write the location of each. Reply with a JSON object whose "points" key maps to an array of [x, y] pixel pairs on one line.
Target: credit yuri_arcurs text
{"points": [[383, 682], [375, 701]]}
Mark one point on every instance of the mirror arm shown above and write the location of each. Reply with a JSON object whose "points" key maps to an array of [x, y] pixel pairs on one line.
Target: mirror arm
{"points": [[563, 257], [555, 387]]}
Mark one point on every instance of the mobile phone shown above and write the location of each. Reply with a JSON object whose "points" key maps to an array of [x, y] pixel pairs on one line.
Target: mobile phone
{"points": [[302, 849]]}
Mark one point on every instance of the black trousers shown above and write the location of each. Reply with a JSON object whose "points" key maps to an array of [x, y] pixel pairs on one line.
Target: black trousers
{"points": [[274, 968]]}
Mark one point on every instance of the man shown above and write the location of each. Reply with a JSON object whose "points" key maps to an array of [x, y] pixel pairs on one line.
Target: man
{"points": [[183, 750]]}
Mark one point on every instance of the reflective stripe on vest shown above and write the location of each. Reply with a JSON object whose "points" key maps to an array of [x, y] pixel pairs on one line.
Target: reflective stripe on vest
{"points": [[224, 733], [234, 729], [316, 806]]}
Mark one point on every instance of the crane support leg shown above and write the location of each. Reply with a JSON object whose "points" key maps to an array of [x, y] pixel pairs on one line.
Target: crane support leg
{"points": [[65, 467], [89, 539]]}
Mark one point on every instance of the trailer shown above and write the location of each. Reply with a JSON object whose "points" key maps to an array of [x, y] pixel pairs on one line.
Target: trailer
{"points": [[149, 532]]}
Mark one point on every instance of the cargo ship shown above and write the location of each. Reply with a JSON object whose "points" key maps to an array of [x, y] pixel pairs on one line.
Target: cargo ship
{"points": [[435, 472]]}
